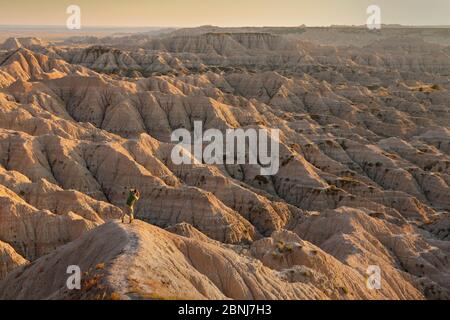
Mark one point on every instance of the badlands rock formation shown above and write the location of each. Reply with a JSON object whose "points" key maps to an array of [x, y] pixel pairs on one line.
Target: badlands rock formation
{"points": [[364, 176], [9, 259], [132, 262]]}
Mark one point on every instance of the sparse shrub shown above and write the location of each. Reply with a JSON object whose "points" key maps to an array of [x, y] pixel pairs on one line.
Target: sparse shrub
{"points": [[287, 160], [261, 179], [100, 266], [281, 248], [344, 290], [280, 245], [115, 296], [275, 255], [91, 283], [435, 87]]}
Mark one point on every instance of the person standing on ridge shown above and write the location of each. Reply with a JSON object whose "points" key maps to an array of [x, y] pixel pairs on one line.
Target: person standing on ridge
{"points": [[133, 197]]}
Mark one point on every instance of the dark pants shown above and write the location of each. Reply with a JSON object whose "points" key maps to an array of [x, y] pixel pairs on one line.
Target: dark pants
{"points": [[129, 210]]}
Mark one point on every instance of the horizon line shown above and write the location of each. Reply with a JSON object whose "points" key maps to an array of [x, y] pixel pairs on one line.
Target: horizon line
{"points": [[217, 26]]}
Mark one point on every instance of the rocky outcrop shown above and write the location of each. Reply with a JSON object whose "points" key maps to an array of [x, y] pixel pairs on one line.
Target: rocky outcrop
{"points": [[399, 251], [116, 259], [9, 259], [364, 176]]}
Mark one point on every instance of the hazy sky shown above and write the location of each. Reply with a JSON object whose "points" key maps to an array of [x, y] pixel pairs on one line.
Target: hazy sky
{"points": [[182, 13]]}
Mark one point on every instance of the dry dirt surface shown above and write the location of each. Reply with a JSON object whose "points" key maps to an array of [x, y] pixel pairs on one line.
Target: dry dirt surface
{"points": [[364, 175]]}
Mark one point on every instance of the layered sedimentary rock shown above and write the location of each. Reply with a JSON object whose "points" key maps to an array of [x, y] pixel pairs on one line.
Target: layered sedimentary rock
{"points": [[118, 260], [363, 174], [9, 259]]}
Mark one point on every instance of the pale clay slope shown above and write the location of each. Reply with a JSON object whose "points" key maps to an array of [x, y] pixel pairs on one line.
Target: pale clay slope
{"points": [[364, 168], [132, 261]]}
